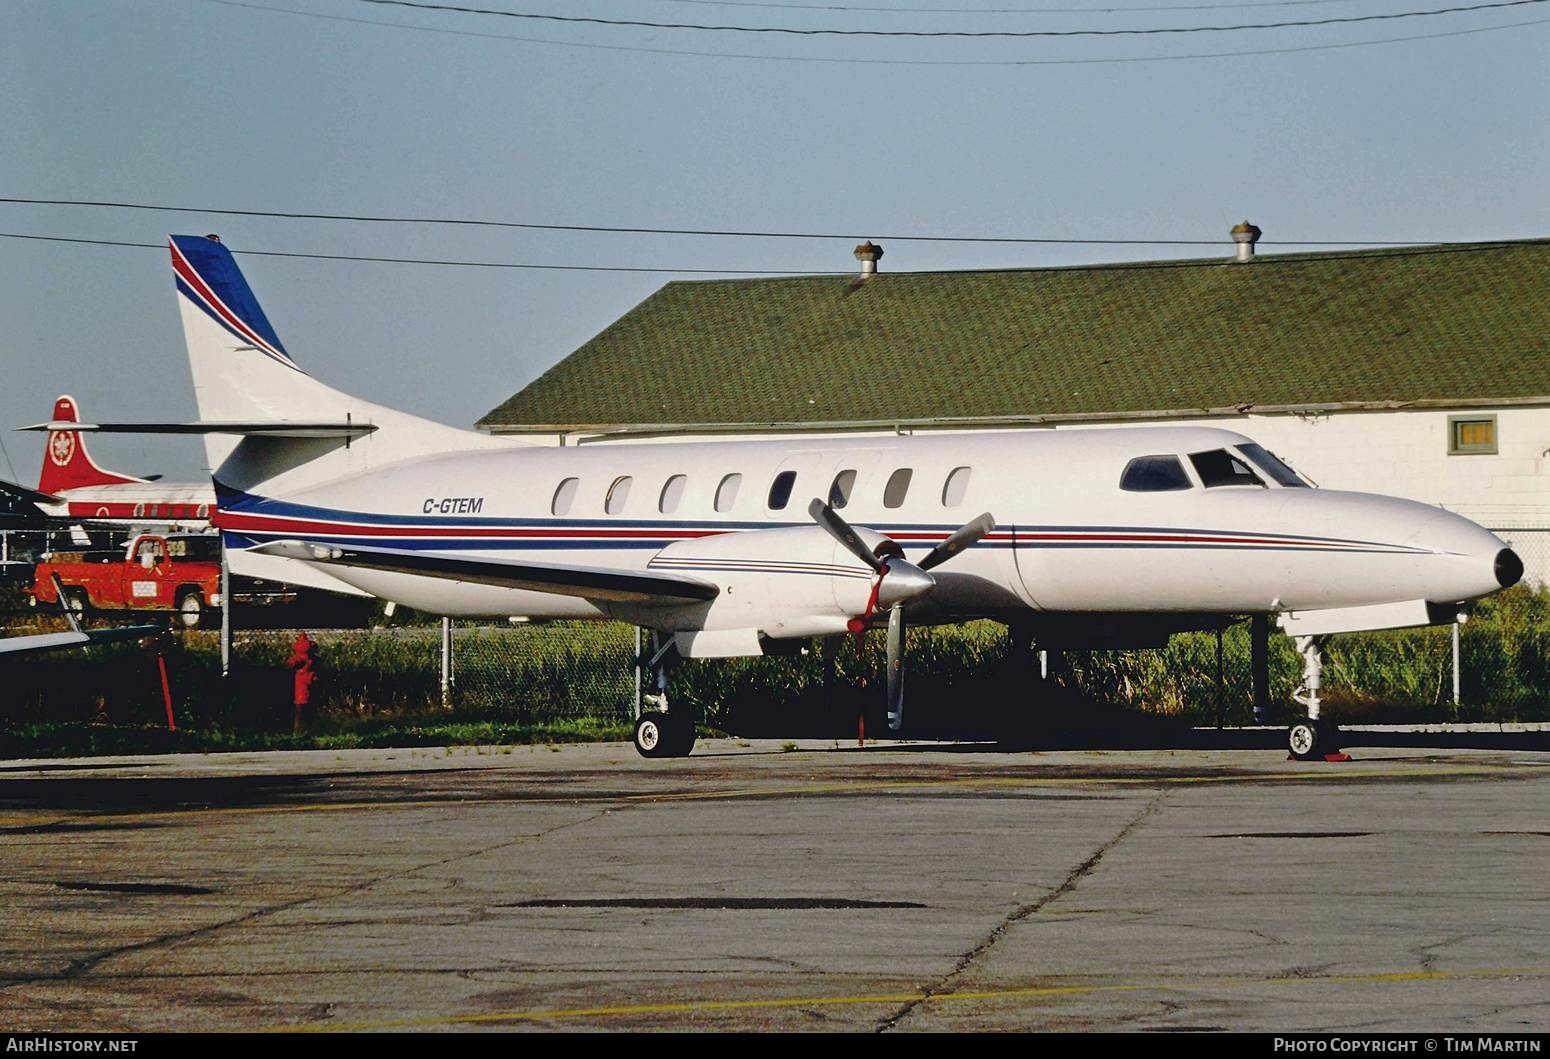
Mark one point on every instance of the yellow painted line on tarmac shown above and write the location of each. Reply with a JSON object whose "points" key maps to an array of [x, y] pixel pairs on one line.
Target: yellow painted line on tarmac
{"points": [[692, 1007], [779, 791], [702, 1006]]}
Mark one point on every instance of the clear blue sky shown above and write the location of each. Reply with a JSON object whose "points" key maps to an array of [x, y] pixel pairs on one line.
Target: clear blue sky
{"points": [[192, 102]]}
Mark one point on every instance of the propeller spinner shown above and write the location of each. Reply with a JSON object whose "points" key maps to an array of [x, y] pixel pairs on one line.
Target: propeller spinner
{"points": [[897, 583]]}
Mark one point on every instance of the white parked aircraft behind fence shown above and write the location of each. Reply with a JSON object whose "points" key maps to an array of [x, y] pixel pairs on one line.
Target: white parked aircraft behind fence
{"points": [[1088, 537]]}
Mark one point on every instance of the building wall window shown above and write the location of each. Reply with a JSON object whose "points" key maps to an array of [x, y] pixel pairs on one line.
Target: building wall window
{"points": [[1471, 435]]}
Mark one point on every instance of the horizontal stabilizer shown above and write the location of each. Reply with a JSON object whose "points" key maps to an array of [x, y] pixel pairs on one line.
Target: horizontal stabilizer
{"points": [[271, 428], [32, 496], [53, 641], [586, 582]]}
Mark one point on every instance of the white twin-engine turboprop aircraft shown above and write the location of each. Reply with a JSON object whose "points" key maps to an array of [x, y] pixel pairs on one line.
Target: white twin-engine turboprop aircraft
{"points": [[728, 548]]}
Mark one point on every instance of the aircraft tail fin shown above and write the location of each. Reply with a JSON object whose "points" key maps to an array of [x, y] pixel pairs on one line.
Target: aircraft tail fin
{"points": [[66, 463], [243, 373]]}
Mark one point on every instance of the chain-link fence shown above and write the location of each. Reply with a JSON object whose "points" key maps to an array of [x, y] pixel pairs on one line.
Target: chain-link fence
{"points": [[1532, 543], [962, 680]]}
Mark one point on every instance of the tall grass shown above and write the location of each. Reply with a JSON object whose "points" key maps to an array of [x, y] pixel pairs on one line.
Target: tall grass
{"points": [[962, 679]]}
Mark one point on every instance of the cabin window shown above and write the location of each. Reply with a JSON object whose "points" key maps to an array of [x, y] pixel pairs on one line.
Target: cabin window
{"points": [[1219, 467], [564, 496], [139, 511], [726, 492], [1154, 474], [956, 485], [202, 511], [672, 494], [618, 493], [1272, 465], [1471, 435], [843, 486], [780, 490], [898, 487]]}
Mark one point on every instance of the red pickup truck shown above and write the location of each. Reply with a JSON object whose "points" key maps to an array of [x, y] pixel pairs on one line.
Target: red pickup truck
{"points": [[179, 572]]}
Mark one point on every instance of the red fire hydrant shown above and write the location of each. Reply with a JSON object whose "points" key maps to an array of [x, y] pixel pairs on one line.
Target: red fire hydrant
{"points": [[304, 660]]}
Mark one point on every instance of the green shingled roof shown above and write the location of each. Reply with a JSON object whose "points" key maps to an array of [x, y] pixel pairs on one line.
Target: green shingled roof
{"points": [[1465, 324]]}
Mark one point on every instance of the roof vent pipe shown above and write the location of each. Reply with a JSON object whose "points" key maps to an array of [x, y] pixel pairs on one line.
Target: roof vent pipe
{"points": [[869, 254], [1245, 235]]}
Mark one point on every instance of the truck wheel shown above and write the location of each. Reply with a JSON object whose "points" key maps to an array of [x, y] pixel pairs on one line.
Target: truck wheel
{"points": [[191, 610], [75, 599]]}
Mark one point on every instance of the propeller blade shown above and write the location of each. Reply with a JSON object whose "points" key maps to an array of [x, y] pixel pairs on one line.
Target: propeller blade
{"points": [[841, 531], [896, 667], [965, 535]]}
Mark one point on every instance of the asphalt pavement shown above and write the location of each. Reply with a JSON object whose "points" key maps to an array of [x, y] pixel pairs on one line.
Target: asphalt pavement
{"points": [[761, 884]]}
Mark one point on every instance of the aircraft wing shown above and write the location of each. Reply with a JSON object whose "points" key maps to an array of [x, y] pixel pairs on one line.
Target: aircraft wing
{"points": [[53, 641], [587, 582]]}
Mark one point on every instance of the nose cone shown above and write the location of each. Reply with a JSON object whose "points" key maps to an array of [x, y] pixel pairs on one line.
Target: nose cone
{"points": [[1509, 568]]}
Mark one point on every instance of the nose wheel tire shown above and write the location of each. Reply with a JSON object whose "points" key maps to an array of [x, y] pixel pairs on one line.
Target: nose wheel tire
{"points": [[664, 734], [1311, 740]]}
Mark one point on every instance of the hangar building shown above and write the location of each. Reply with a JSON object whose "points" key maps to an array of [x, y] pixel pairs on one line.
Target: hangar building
{"points": [[1422, 372]]}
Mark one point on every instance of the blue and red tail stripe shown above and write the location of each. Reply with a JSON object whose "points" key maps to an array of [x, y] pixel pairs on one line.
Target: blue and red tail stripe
{"points": [[208, 276]]}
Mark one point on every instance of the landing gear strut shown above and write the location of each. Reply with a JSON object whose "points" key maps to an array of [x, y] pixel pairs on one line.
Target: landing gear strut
{"points": [[663, 732], [1313, 738]]}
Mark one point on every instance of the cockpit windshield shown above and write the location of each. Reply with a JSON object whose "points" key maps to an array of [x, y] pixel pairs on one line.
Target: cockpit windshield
{"points": [[1154, 474], [1272, 465], [1218, 467]]}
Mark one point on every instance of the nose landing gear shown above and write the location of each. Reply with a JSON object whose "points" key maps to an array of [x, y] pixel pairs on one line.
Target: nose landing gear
{"points": [[1312, 739]]}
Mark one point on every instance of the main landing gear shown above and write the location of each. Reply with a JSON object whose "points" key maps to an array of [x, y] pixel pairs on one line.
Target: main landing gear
{"points": [[1311, 739], [663, 732]]}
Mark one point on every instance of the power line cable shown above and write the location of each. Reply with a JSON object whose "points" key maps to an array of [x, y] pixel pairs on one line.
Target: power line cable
{"points": [[1200, 262], [718, 232], [432, 261], [851, 61], [423, 5]]}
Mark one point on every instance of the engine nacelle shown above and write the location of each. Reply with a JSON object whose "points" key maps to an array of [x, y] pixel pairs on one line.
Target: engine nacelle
{"points": [[796, 581]]}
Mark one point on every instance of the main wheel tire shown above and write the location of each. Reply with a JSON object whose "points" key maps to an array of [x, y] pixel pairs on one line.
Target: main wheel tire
{"points": [[652, 735], [664, 735], [1308, 740], [191, 610]]}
